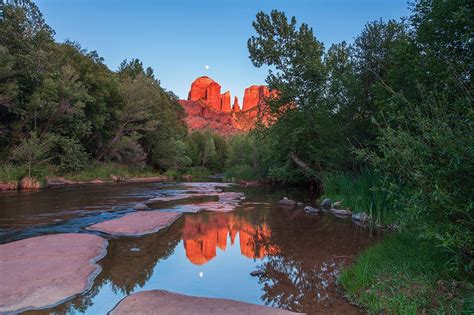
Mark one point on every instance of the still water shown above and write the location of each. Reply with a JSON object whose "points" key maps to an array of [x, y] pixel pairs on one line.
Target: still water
{"points": [[207, 254]]}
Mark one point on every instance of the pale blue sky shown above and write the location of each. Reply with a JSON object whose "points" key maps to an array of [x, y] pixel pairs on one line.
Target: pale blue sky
{"points": [[179, 38]]}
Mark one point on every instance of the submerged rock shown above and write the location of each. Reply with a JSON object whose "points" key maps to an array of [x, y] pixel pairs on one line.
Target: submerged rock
{"points": [[287, 202], [326, 204], [300, 204], [360, 217], [137, 223], [42, 271], [165, 302], [311, 210]]}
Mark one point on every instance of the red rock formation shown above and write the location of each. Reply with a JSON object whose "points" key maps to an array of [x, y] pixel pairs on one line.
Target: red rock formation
{"points": [[236, 106], [206, 90], [225, 102], [207, 108], [251, 97], [198, 88]]}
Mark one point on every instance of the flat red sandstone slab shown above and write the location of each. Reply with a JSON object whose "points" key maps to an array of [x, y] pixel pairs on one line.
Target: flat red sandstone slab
{"points": [[137, 223], [44, 271], [164, 302]]}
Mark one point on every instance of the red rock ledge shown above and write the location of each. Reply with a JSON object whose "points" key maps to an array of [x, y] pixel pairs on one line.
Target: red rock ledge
{"points": [[164, 302], [44, 271], [137, 223]]}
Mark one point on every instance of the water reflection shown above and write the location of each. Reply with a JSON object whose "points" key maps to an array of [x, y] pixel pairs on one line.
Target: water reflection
{"points": [[203, 234], [212, 254]]}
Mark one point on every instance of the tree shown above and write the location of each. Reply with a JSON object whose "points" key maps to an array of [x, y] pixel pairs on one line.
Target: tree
{"points": [[31, 152]]}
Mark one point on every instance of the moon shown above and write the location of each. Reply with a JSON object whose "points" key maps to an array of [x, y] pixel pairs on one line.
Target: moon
{"points": [[206, 67]]}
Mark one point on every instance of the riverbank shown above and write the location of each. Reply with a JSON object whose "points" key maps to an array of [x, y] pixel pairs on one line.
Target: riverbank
{"points": [[16, 178], [404, 273]]}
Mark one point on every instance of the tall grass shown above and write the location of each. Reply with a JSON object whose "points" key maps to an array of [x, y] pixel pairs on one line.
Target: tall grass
{"points": [[362, 192], [402, 275]]}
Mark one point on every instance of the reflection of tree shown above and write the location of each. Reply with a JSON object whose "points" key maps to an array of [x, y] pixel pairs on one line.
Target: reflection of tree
{"points": [[312, 249], [125, 269]]}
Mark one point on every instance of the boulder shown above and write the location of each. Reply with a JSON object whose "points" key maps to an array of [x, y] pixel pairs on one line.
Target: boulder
{"points": [[337, 205], [326, 204], [340, 213], [169, 303], [311, 210], [140, 206], [287, 202], [360, 217], [27, 183]]}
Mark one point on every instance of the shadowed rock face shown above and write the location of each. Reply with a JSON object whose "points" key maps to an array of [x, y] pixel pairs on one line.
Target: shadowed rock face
{"points": [[164, 302], [137, 223], [42, 271]]}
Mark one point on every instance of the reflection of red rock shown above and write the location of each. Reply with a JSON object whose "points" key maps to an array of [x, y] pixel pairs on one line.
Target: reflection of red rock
{"points": [[202, 237], [207, 108]]}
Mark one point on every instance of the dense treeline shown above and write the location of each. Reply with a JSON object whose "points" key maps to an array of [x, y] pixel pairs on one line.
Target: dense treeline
{"points": [[61, 108]]}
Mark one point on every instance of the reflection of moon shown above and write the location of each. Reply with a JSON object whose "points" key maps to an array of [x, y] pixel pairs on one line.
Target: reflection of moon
{"points": [[206, 67]]}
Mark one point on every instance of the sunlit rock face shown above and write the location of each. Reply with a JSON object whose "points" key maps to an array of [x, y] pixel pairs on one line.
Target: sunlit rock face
{"points": [[203, 237], [206, 107], [225, 102]]}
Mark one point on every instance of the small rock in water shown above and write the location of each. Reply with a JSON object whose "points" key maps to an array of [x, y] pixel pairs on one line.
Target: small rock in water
{"points": [[337, 205], [311, 210], [242, 198], [300, 204], [140, 206], [134, 249], [257, 273], [326, 203], [360, 217], [287, 202], [341, 213]]}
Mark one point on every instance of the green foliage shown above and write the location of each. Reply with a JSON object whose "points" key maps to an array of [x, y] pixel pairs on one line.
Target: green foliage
{"points": [[66, 95], [402, 275], [31, 153], [208, 149], [246, 158], [104, 171], [12, 173]]}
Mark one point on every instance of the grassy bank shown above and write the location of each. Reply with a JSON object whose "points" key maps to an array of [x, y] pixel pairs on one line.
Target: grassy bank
{"points": [[94, 171], [362, 192], [402, 275]]}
